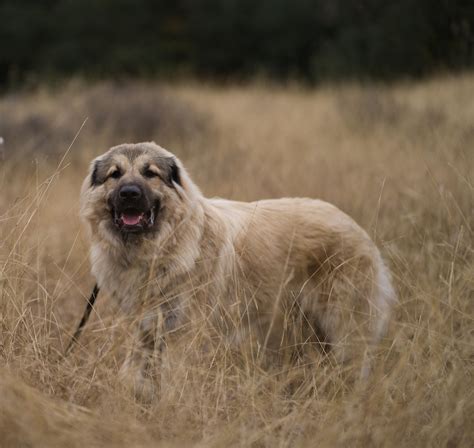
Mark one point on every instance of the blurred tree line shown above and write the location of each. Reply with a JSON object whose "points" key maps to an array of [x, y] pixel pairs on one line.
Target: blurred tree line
{"points": [[307, 39]]}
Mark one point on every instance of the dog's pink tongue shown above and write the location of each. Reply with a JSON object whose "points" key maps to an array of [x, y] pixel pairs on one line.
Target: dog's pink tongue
{"points": [[131, 220]]}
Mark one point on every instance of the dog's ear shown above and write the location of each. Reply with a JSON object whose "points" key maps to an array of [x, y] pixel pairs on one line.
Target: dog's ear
{"points": [[172, 171], [175, 175], [96, 177]]}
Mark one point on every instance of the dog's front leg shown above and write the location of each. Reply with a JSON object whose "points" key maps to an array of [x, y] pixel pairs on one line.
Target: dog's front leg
{"points": [[144, 361], [144, 358]]}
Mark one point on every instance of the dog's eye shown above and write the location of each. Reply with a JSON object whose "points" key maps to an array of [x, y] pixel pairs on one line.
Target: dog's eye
{"points": [[115, 174], [150, 173]]}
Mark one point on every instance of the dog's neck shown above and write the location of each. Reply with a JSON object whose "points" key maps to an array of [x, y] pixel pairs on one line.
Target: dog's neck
{"points": [[171, 260]]}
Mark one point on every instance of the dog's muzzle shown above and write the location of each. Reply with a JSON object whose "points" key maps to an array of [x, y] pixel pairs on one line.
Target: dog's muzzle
{"points": [[132, 210]]}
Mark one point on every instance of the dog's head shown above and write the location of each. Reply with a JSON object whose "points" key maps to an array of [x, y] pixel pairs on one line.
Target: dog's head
{"points": [[131, 189]]}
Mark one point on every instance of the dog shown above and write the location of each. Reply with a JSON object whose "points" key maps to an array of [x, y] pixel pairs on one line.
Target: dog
{"points": [[243, 268]]}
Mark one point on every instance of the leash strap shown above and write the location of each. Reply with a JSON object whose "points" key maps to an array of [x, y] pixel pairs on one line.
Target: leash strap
{"points": [[85, 317]]}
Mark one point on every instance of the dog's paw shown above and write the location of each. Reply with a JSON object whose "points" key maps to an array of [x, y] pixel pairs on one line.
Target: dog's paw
{"points": [[143, 388]]}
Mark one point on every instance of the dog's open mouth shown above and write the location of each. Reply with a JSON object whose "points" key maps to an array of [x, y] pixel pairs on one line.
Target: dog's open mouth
{"points": [[134, 220]]}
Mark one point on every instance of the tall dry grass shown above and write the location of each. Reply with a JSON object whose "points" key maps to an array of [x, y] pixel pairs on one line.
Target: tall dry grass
{"points": [[399, 159]]}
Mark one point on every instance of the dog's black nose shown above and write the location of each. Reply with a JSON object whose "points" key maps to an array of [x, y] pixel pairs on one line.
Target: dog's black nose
{"points": [[130, 192]]}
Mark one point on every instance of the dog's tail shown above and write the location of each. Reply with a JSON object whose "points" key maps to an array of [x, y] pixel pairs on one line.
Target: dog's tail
{"points": [[384, 300]]}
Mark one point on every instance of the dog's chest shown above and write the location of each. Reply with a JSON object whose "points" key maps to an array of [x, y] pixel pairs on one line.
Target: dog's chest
{"points": [[126, 283]]}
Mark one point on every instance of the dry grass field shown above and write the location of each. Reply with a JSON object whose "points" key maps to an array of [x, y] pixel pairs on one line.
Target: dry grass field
{"points": [[399, 159]]}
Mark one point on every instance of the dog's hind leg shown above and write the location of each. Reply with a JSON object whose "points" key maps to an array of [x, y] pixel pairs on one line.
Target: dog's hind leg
{"points": [[353, 309]]}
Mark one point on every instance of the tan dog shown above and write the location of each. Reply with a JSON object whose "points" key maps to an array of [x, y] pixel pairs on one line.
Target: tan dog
{"points": [[246, 269]]}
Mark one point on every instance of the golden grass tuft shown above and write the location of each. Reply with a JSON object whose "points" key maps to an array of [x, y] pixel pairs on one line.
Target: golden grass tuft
{"points": [[399, 159]]}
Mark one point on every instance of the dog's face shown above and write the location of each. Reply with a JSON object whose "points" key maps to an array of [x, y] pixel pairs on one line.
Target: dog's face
{"points": [[130, 188]]}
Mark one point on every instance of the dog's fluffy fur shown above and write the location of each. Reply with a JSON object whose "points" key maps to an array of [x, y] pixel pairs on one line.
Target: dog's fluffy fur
{"points": [[245, 268]]}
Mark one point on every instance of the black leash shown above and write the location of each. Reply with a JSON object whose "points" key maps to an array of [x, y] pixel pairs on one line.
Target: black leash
{"points": [[85, 317]]}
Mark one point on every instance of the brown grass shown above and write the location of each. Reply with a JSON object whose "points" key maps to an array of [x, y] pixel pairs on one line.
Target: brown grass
{"points": [[400, 160]]}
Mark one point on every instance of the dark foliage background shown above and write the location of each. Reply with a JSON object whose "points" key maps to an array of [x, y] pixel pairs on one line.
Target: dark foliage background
{"points": [[307, 39]]}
